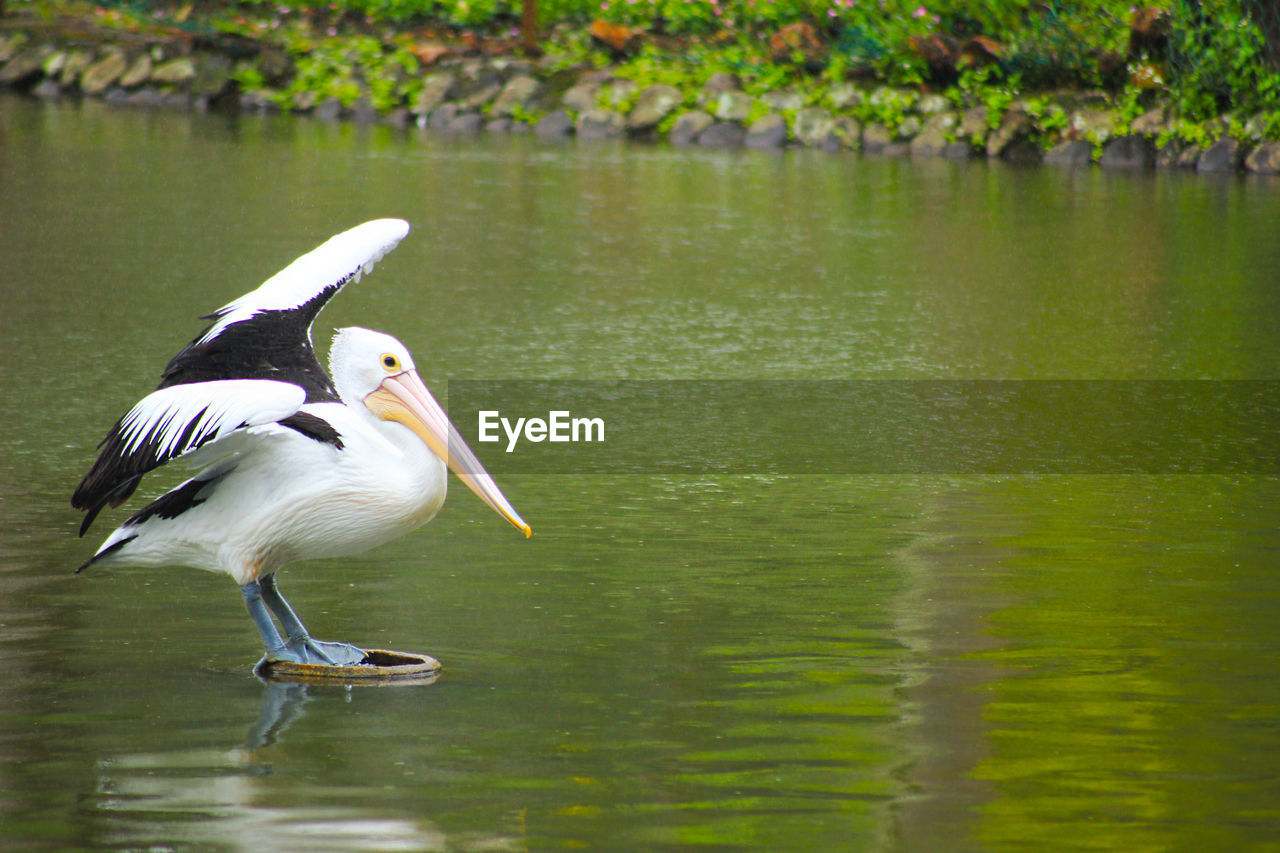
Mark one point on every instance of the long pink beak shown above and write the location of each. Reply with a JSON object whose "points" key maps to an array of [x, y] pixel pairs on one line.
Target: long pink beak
{"points": [[405, 399]]}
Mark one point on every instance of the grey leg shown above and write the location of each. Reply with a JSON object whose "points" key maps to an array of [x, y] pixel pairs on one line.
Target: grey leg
{"points": [[288, 619], [252, 592], [300, 648]]}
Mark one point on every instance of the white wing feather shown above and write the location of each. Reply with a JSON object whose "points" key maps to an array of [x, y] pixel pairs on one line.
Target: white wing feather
{"points": [[175, 420], [346, 256]]}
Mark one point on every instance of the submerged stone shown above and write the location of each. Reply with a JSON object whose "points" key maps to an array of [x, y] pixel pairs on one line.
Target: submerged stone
{"points": [[722, 134], [601, 124], [930, 142], [1225, 155], [363, 110], [1023, 152], [47, 89], [441, 117], [875, 138], [330, 109], [1265, 159], [689, 126], [261, 101], [469, 122], [141, 98], [769, 131], [554, 125], [1132, 151], [959, 151], [1189, 157], [1070, 153], [172, 100], [1167, 157]]}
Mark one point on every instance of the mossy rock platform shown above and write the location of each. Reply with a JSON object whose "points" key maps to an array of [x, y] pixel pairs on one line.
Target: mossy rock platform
{"points": [[379, 667]]}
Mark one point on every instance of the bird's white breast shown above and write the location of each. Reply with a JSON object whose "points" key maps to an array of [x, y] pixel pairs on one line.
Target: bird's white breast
{"points": [[382, 483]]}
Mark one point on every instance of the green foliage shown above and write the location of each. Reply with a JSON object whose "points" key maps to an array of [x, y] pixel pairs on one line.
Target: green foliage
{"points": [[758, 111], [248, 78], [1264, 125], [1050, 118], [998, 98], [1128, 108], [1186, 132], [664, 126], [988, 86], [886, 106], [652, 66], [1221, 59], [347, 69]]}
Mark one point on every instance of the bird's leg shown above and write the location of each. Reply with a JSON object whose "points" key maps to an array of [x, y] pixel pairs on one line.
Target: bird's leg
{"points": [[252, 592], [301, 648], [288, 619]]}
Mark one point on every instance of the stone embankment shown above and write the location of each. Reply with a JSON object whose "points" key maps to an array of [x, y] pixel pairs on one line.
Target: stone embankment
{"points": [[460, 95]]}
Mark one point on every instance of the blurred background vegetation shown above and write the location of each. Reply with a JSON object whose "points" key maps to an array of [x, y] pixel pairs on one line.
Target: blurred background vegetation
{"points": [[1209, 58]]}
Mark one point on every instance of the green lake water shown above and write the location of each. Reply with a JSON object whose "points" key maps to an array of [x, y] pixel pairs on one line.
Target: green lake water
{"points": [[733, 658]]}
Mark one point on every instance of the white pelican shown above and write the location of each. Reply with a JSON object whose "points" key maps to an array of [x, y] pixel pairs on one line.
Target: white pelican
{"points": [[293, 465]]}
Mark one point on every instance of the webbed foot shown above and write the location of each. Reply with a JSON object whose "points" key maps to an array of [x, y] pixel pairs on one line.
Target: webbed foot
{"points": [[317, 653]]}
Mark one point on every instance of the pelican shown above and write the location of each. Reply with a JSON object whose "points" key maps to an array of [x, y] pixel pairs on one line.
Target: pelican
{"points": [[293, 464]]}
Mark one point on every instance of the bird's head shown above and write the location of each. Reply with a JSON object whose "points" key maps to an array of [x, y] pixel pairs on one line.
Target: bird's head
{"points": [[375, 370]]}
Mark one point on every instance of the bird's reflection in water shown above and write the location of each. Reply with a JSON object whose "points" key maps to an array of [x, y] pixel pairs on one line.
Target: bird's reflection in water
{"points": [[230, 798], [282, 703]]}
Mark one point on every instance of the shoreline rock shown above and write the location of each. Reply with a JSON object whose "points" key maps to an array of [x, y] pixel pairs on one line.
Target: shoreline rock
{"points": [[467, 95]]}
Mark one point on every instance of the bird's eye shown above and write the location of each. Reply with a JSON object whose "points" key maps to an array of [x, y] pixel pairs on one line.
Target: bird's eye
{"points": [[389, 361]]}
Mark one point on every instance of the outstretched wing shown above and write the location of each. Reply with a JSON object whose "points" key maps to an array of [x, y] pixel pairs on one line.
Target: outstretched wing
{"points": [[175, 421], [266, 334], [254, 364]]}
